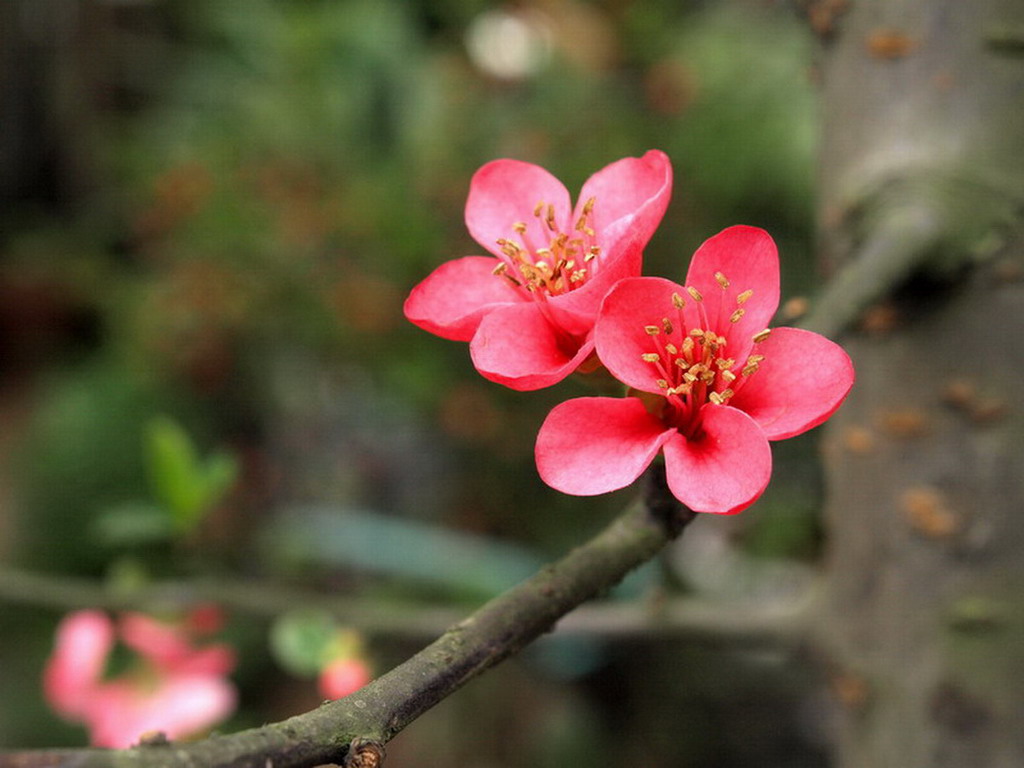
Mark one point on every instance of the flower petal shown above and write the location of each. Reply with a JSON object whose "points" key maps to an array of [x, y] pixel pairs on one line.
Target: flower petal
{"points": [[630, 197], [726, 469], [594, 445], [451, 300], [517, 346], [84, 640], [619, 333], [748, 259], [802, 380], [504, 192]]}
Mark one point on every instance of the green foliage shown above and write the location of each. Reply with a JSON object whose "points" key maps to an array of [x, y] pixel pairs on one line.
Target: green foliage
{"points": [[185, 485], [301, 641]]}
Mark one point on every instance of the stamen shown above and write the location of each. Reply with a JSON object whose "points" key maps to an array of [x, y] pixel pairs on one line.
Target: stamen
{"points": [[725, 363], [652, 330], [672, 349], [500, 269], [729, 376], [589, 206], [650, 357], [662, 383], [550, 218], [667, 325], [538, 208], [735, 316], [715, 398], [762, 335], [520, 227], [677, 301], [755, 359], [687, 345], [742, 298], [694, 293], [749, 369], [722, 281]]}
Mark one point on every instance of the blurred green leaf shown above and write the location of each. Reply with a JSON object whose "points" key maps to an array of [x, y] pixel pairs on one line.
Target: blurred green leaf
{"points": [[186, 486], [132, 524], [300, 641]]}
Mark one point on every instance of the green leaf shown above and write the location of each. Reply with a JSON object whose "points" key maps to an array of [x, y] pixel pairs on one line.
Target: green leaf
{"points": [[185, 486], [135, 523], [300, 641]]}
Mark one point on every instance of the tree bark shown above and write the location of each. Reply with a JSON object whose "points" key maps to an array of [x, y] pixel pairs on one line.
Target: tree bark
{"points": [[922, 171]]}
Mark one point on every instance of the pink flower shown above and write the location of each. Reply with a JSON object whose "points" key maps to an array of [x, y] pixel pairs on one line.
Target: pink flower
{"points": [[175, 688], [528, 310], [711, 384], [342, 677]]}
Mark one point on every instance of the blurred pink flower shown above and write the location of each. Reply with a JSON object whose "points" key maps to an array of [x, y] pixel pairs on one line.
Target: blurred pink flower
{"points": [[712, 384], [175, 687], [343, 676], [528, 310]]}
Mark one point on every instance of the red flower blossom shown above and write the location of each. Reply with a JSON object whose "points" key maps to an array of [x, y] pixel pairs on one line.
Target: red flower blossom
{"points": [[712, 384], [529, 315], [175, 688], [341, 677]]}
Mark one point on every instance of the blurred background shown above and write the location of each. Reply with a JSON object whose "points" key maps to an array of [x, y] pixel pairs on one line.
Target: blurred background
{"points": [[211, 214]]}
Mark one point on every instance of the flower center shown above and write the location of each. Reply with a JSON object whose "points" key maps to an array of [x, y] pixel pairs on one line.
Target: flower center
{"points": [[690, 363], [558, 265]]}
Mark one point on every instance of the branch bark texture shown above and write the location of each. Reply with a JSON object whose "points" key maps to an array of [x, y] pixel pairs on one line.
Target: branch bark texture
{"points": [[924, 620], [382, 709]]}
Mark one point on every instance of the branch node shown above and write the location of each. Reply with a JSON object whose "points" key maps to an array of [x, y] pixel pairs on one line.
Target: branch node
{"points": [[662, 505], [364, 753]]}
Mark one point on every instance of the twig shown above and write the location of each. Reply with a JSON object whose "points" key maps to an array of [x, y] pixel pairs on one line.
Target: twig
{"points": [[386, 706]]}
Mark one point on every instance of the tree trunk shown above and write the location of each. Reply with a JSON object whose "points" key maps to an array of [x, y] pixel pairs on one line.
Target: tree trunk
{"points": [[923, 153]]}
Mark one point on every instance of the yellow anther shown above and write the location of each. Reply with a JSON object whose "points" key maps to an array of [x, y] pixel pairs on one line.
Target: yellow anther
{"points": [[696, 332], [762, 335], [729, 376], [677, 301], [652, 330], [708, 377], [689, 377], [662, 383], [543, 266], [742, 298], [550, 217], [721, 280], [672, 349], [755, 359], [666, 324], [687, 345], [577, 275], [589, 206], [735, 316], [724, 363], [543, 251], [520, 227], [694, 293], [650, 357], [682, 364], [589, 231], [500, 269], [581, 223], [749, 369], [715, 398], [538, 208]]}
